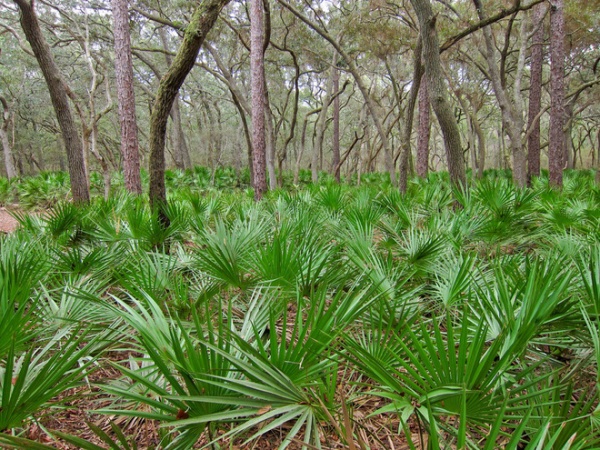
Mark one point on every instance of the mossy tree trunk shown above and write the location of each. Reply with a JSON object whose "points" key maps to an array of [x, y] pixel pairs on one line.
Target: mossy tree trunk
{"points": [[201, 23]]}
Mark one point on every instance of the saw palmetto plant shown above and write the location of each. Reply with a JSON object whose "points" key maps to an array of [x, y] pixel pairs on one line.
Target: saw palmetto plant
{"points": [[324, 317]]}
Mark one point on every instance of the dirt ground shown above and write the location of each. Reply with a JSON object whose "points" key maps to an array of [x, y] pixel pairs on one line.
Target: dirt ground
{"points": [[8, 223]]}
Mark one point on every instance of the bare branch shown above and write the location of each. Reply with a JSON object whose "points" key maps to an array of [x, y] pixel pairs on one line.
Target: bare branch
{"points": [[487, 21]]}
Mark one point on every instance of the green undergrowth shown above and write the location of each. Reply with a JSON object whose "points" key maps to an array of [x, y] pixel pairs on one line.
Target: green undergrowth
{"points": [[323, 314]]}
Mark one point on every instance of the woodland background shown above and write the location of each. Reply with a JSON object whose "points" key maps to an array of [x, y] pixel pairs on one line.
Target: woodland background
{"points": [[315, 107]]}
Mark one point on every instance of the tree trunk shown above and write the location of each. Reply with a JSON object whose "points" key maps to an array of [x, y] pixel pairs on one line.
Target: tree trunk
{"points": [[257, 69], [321, 123], [180, 147], [9, 163], [126, 97], [424, 130], [535, 94], [201, 23], [413, 96], [60, 102], [438, 95], [335, 160], [556, 137], [271, 143], [481, 143]]}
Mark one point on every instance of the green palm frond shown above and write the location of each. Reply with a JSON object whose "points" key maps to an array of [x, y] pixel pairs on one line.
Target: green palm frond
{"points": [[28, 380], [224, 253], [22, 266]]}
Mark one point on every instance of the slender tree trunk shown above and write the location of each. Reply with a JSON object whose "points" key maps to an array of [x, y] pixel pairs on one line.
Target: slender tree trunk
{"points": [[284, 152], [321, 123], [351, 66], [201, 23], [126, 97], [424, 130], [335, 161], [180, 143], [556, 141], [511, 116], [271, 143], [257, 69], [535, 94], [247, 135], [9, 163], [569, 148], [438, 95], [60, 102], [481, 143], [413, 96]]}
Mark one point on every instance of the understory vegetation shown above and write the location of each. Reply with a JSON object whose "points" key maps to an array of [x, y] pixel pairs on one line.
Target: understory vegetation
{"points": [[325, 316]]}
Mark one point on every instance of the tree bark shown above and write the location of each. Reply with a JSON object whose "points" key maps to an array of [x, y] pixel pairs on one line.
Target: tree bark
{"points": [[335, 160], [60, 102], [424, 130], [535, 94], [410, 111], [126, 97], [202, 21], [9, 163], [271, 142], [556, 141], [257, 69], [438, 95]]}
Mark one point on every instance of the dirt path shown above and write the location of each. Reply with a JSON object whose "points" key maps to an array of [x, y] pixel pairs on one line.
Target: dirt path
{"points": [[8, 223]]}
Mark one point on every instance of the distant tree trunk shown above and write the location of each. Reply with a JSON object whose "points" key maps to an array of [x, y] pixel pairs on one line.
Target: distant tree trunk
{"points": [[535, 94], [335, 162], [424, 130], [201, 23], [512, 119], [9, 163], [438, 95], [321, 123], [257, 69], [126, 97], [415, 88], [60, 102], [284, 153], [181, 154], [247, 134], [271, 143], [556, 141], [180, 148], [481, 141], [240, 102], [351, 66]]}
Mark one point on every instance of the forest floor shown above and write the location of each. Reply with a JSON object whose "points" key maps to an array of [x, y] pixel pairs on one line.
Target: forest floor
{"points": [[8, 223]]}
